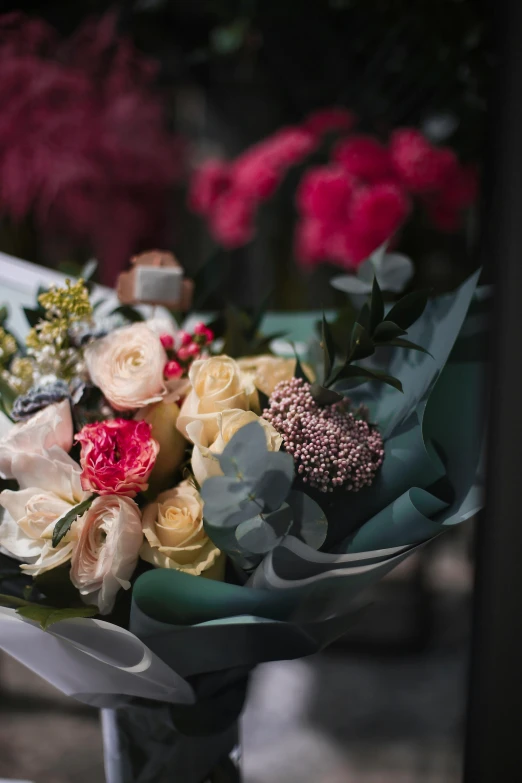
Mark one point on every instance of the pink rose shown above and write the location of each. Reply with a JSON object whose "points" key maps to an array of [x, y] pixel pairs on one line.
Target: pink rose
{"points": [[106, 554], [117, 456]]}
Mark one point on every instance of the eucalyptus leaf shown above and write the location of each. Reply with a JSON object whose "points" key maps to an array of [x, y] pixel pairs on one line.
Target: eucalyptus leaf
{"points": [[387, 330], [63, 523], [274, 484], [408, 309], [310, 524], [229, 500], [263, 533], [246, 453]]}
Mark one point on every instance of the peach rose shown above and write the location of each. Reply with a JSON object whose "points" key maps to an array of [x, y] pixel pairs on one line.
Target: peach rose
{"points": [[217, 385], [267, 370], [127, 365], [175, 537], [49, 428], [106, 554], [204, 463]]}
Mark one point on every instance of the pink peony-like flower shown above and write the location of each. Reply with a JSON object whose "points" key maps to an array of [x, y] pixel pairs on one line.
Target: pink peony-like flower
{"points": [[106, 554], [117, 456], [378, 211], [209, 181], [363, 157], [232, 220], [289, 146], [421, 167], [254, 175], [324, 193], [333, 118], [311, 242]]}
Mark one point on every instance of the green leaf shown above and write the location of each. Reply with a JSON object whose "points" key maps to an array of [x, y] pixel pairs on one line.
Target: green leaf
{"points": [[408, 309], [387, 330], [88, 270], [264, 401], [376, 306], [48, 615], [64, 522], [7, 396], [400, 343], [4, 312], [354, 371], [11, 601], [364, 316], [328, 347], [361, 344], [324, 396], [299, 372], [33, 316], [128, 312], [310, 524]]}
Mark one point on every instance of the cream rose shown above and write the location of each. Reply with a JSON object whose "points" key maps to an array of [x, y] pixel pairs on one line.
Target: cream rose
{"points": [[51, 487], [49, 428], [217, 385], [175, 537], [127, 365], [267, 371], [106, 554], [204, 463]]}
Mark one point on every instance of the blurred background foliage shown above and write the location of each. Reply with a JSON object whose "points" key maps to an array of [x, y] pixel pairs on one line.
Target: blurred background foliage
{"points": [[234, 71]]}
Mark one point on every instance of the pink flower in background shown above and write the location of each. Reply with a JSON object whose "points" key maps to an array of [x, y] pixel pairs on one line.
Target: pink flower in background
{"points": [[210, 180], [253, 175], [422, 167], [312, 241], [289, 146], [364, 158], [117, 456], [325, 193], [84, 149], [333, 118], [379, 210], [232, 220]]}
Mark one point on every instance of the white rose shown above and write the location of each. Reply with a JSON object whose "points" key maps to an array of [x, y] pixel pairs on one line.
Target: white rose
{"points": [[217, 385], [127, 365], [50, 488], [39, 434], [175, 537], [204, 463], [106, 554], [268, 371]]}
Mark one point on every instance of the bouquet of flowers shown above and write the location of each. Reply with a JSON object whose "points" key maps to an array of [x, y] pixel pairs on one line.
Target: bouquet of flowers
{"points": [[174, 516]]}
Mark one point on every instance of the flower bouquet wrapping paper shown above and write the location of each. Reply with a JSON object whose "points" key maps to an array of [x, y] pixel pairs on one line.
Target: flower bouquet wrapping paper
{"points": [[174, 515]]}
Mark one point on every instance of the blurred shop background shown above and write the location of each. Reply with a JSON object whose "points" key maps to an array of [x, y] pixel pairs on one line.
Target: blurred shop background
{"points": [[199, 127]]}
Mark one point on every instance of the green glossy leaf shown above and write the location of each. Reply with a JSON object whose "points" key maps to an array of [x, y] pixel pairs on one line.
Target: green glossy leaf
{"points": [[264, 400], [64, 522], [299, 372], [328, 347], [387, 330], [48, 615], [324, 396], [354, 371], [400, 343], [33, 316], [364, 316], [7, 396], [376, 307], [361, 344], [408, 309]]}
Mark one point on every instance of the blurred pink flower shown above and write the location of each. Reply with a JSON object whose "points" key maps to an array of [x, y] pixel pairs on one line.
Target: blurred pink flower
{"points": [[325, 192], [333, 118], [363, 157], [208, 182], [84, 149]]}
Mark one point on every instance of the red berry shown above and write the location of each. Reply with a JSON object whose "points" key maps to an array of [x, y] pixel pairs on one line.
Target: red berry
{"points": [[167, 341], [173, 370], [184, 337]]}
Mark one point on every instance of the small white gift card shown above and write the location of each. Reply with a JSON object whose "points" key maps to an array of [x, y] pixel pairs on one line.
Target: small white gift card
{"points": [[158, 284]]}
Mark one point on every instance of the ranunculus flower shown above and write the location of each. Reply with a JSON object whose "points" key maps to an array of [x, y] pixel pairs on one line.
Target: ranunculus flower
{"points": [[106, 554], [175, 537], [127, 365], [267, 370], [117, 456], [204, 463], [163, 417], [48, 428], [51, 486], [218, 384]]}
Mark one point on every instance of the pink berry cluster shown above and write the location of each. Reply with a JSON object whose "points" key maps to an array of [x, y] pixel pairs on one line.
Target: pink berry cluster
{"points": [[330, 446], [228, 193], [184, 348], [347, 207]]}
